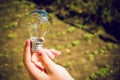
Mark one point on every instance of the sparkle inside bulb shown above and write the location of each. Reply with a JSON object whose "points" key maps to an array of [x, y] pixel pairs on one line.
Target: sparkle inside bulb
{"points": [[38, 25]]}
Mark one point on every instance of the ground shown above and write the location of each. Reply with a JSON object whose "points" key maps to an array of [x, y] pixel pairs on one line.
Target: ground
{"points": [[84, 54]]}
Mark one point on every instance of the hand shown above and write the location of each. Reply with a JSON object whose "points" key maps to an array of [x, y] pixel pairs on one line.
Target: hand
{"points": [[41, 66]]}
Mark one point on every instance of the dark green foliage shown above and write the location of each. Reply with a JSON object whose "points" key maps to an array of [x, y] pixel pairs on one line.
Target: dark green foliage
{"points": [[99, 74], [104, 13]]}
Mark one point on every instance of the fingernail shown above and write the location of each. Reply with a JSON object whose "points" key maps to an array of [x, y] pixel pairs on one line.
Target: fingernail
{"points": [[27, 42], [58, 52], [41, 52]]}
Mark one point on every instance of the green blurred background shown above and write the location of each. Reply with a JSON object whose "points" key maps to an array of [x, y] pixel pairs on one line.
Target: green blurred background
{"points": [[87, 32]]}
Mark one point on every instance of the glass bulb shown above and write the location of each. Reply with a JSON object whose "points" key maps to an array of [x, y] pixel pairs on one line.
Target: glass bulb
{"points": [[38, 25]]}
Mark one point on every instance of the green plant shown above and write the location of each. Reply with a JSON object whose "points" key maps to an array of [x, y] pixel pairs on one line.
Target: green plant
{"points": [[69, 45], [71, 29], [102, 72], [1, 55], [18, 16], [11, 36], [88, 78], [58, 1], [17, 49], [91, 56], [82, 26], [110, 46], [102, 50], [106, 15], [89, 36], [69, 63], [5, 55], [76, 42], [60, 47], [100, 31], [61, 33], [20, 65], [93, 75], [32, 5], [11, 25]]}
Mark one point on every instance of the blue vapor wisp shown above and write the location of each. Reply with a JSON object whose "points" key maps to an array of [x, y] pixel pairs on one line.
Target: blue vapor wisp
{"points": [[42, 12]]}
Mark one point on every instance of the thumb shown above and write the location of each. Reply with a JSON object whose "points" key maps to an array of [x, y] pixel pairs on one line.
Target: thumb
{"points": [[46, 61]]}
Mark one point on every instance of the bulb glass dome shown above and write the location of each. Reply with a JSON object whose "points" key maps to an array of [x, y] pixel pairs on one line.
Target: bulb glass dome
{"points": [[38, 25]]}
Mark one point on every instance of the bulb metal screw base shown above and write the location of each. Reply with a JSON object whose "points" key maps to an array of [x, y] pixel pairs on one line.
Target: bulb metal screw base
{"points": [[37, 46], [37, 43]]}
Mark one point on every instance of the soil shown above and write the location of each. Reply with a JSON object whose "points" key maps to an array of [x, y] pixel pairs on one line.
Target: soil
{"points": [[81, 55]]}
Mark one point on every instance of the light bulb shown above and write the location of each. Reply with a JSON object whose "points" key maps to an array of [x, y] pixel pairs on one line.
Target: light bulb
{"points": [[38, 25]]}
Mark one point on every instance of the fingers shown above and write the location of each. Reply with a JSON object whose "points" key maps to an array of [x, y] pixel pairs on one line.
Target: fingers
{"points": [[36, 60], [29, 64], [27, 51], [46, 61], [55, 52], [49, 54], [45, 58]]}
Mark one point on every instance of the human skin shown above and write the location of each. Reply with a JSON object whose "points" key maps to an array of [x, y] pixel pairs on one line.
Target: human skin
{"points": [[41, 66]]}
